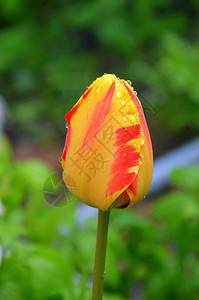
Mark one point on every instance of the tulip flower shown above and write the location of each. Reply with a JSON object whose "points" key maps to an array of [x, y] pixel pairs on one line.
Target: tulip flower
{"points": [[108, 152], [107, 158]]}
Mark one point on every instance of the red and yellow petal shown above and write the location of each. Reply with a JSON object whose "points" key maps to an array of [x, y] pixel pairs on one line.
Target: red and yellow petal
{"points": [[105, 139]]}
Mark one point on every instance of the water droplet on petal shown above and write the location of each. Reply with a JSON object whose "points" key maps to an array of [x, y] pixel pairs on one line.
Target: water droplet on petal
{"points": [[142, 138], [124, 156], [129, 82], [114, 75], [136, 171], [60, 159], [141, 158], [87, 87], [98, 89], [119, 93], [135, 93], [123, 102]]}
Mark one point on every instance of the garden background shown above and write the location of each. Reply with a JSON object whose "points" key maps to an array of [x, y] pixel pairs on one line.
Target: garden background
{"points": [[49, 52]]}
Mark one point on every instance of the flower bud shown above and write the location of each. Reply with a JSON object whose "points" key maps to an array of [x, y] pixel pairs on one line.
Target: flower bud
{"points": [[107, 158]]}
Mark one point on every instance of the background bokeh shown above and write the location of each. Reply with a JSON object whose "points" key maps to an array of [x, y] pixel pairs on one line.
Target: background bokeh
{"points": [[49, 52]]}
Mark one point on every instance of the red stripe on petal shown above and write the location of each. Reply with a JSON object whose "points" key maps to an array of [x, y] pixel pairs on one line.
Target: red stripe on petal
{"points": [[71, 113], [118, 182], [100, 113], [85, 94], [141, 117], [68, 117], [125, 158], [126, 134], [64, 152], [67, 143]]}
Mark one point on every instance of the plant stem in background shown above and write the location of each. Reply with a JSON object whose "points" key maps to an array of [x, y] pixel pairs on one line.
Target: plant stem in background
{"points": [[100, 254]]}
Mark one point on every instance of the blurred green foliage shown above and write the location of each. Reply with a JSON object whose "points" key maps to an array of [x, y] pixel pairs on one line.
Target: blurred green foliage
{"points": [[51, 50], [48, 255]]}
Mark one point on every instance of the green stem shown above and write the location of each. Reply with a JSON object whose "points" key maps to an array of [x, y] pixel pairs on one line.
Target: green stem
{"points": [[100, 254]]}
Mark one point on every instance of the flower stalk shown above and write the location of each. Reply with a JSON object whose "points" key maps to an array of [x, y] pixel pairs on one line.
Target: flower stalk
{"points": [[100, 254]]}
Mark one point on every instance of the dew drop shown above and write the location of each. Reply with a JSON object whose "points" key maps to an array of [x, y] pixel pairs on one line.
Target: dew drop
{"points": [[136, 171], [114, 75], [141, 158], [117, 83], [119, 93], [135, 93], [60, 159], [98, 89], [142, 138], [87, 87], [123, 102], [129, 82], [124, 157]]}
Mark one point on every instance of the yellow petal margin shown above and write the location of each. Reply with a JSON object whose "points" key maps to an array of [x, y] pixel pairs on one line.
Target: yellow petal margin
{"points": [[107, 158]]}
